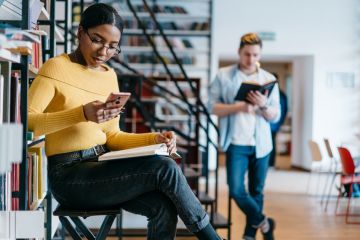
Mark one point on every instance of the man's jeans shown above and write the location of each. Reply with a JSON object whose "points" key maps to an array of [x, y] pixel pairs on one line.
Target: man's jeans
{"points": [[151, 186], [239, 160]]}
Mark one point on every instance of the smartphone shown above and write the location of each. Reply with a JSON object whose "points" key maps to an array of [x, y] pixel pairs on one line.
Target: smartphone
{"points": [[117, 99]]}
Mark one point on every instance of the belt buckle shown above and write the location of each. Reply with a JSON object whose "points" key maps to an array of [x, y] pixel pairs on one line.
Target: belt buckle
{"points": [[96, 152]]}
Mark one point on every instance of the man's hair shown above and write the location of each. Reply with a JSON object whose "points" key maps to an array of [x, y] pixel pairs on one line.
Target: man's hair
{"points": [[250, 39]]}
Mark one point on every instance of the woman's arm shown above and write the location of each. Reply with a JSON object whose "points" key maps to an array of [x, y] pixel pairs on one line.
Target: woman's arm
{"points": [[117, 139], [41, 93]]}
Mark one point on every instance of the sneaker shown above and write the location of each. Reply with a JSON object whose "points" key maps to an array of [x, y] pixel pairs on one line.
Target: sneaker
{"points": [[269, 235]]}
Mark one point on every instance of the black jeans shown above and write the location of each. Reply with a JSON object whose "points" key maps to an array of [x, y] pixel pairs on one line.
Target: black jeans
{"points": [[151, 186]]}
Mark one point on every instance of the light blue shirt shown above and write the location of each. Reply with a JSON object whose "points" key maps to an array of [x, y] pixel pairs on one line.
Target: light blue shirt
{"points": [[223, 89]]}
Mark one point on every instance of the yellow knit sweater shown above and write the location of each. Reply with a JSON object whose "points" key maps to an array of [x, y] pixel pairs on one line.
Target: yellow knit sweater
{"points": [[56, 99]]}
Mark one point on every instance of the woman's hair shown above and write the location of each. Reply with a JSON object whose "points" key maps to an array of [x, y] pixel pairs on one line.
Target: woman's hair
{"points": [[100, 13], [250, 39]]}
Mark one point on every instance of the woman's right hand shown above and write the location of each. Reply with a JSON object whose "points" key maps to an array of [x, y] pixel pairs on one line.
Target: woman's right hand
{"points": [[97, 112]]}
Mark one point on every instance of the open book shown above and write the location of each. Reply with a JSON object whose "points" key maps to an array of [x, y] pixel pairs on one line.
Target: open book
{"points": [[150, 150], [246, 87]]}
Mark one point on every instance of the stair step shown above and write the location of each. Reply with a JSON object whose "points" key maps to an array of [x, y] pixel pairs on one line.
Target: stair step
{"points": [[219, 221], [205, 198], [191, 173]]}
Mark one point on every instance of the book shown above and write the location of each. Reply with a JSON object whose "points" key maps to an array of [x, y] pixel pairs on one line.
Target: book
{"points": [[246, 87], [150, 150]]}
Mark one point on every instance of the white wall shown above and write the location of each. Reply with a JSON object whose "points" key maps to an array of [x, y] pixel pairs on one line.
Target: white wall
{"points": [[324, 34]]}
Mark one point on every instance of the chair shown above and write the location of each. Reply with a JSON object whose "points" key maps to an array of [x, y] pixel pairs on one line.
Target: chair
{"points": [[348, 177], [66, 214], [333, 172], [316, 157]]}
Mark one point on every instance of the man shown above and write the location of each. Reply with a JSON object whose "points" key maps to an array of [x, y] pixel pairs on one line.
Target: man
{"points": [[245, 132]]}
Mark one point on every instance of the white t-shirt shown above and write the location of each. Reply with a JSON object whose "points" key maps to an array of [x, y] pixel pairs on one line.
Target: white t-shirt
{"points": [[244, 130]]}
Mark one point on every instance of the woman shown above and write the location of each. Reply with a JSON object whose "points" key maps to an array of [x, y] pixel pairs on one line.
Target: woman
{"points": [[67, 104]]}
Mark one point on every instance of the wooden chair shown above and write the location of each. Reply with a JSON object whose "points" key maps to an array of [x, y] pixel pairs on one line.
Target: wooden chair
{"points": [[316, 157], [348, 177], [333, 172], [65, 215]]}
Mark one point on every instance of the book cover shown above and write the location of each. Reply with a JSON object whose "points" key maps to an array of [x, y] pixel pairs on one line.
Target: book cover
{"points": [[246, 87], [156, 149]]}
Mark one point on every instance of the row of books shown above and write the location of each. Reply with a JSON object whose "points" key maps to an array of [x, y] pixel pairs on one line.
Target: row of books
{"points": [[168, 25], [162, 9], [150, 58], [5, 191], [23, 42], [136, 41], [10, 139], [36, 177]]}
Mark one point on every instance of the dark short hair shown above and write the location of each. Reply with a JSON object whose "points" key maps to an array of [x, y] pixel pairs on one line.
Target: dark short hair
{"points": [[250, 39], [99, 14]]}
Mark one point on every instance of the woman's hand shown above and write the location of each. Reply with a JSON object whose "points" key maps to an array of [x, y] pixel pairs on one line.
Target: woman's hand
{"points": [[169, 138], [258, 99], [97, 112]]}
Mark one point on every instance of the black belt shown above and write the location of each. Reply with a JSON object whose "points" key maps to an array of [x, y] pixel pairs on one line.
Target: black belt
{"points": [[77, 156]]}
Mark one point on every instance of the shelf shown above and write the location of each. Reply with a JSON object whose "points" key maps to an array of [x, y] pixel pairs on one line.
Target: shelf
{"points": [[6, 55], [44, 15], [191, 173], [162, 50], [205, 199], [219, 221], [185, 33], [167, 16], [149, 66]]}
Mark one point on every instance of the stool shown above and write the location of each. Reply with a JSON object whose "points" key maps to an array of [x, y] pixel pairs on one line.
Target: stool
{"points": [[64, 214]]}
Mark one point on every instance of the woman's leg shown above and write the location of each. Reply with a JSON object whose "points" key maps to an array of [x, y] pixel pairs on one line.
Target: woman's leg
{"points": [[160, 212], [109, 183]]}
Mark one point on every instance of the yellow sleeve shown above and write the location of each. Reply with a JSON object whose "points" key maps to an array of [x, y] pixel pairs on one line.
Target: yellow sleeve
{"points": [[117, 139], [41, 93]]}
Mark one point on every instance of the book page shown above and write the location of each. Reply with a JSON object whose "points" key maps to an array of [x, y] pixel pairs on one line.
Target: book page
{"points": [[156, 149]]}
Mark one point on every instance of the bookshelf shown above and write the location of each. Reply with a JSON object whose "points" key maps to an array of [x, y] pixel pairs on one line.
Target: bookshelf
{"points": [[29, 205]]}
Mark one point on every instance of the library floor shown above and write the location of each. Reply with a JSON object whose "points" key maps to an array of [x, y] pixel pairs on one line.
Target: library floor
{"points": [[297, 211]]}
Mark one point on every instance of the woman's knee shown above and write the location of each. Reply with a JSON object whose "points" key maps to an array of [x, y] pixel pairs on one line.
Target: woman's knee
{"points": [[168, 164]]}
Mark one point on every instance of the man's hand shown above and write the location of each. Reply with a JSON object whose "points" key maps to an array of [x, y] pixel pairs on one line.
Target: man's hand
{"points": [[169, 138], [258, 99], [247, 107], [97, 112]]}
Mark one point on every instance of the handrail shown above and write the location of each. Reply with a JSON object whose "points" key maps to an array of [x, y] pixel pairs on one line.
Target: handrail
{"points": [[171, 76], [177, 61], [117, 60]]}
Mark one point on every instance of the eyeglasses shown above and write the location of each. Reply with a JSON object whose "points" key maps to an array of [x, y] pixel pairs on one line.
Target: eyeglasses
{"points": [[99, 45]]}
